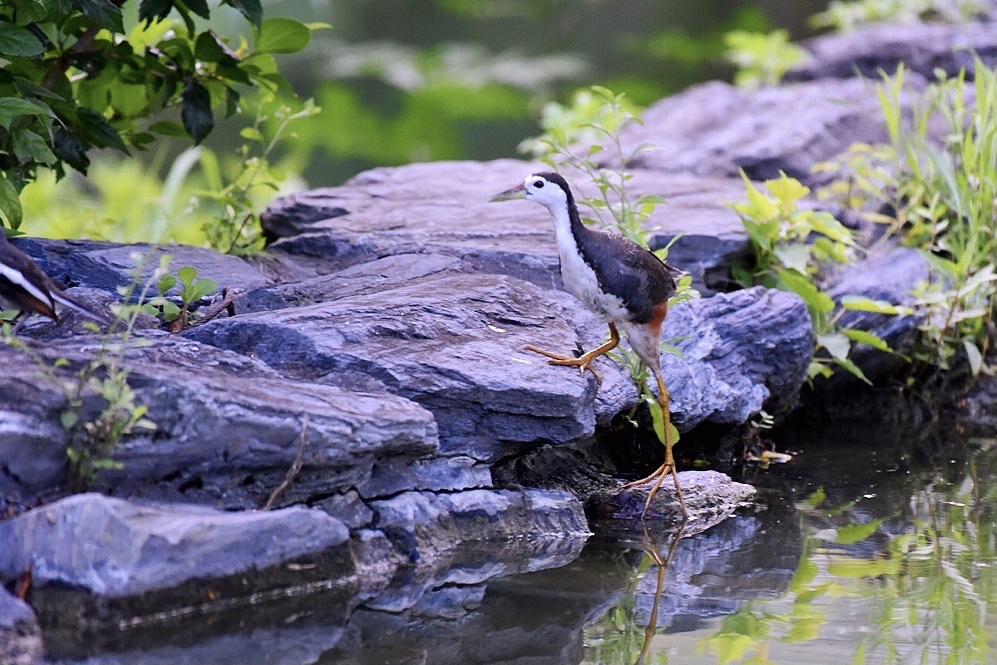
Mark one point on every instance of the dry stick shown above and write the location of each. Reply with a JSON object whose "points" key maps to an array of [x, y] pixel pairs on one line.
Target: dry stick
{"points": [[228, 297], [295, 469]]}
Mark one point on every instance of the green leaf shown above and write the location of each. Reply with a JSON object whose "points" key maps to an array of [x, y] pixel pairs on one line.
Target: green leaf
{"points": [[168, 128], [794, 255], [15, 40], [202, 288], [30, 147], [855, 533], [10, 203], [836, 344], [68, 419], [282, 35], [251, 9], [853, 369], [209, 47], [12, 107], [187, 275], [196, 112], [817, 301], [867, 338], [863, 304], [102, 13], [199, 7], [154, 9], [786, 189], [251, 134], [166, 282], [974, 356], [98, 130], [71, 150]]}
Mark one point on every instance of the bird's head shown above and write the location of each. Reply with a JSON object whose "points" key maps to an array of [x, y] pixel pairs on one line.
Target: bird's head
{"points": [[548, 189]]}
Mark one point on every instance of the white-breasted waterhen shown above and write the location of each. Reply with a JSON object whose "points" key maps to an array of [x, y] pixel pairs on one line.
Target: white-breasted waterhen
{"points": [[25, 286], [617, 279]]}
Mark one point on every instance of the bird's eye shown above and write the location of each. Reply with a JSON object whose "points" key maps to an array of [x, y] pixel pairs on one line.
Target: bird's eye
{"points": [[539, 184]]}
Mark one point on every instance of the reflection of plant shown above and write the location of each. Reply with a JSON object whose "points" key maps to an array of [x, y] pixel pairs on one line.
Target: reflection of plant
{"points": [[930, 586], [762, 58]]}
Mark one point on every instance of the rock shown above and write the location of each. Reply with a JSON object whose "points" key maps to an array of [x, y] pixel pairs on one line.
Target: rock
{"points": [[450, 344], [107, 266], [220, 436], [717, 129], [20, 637], [892, 277], [741, 352], [978, 411], [872, 49], [710, 496], [424, 208], [423, 525], [115, 548]]}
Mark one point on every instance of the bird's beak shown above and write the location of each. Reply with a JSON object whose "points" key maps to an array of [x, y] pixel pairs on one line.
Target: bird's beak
{"points": [[517, 192]]}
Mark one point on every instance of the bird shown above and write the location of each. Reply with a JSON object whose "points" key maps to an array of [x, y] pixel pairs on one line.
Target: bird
{"points": [[26, 286], [620, 281]]}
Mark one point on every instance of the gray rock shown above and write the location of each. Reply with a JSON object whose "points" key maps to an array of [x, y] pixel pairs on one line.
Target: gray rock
{"points": [[114, 548], [978, 412], [451, 344], [740, 351], [890, 276], [107, 266], [20, 637], [426, 208], [717, 129], [872, 49], [221, 437], [426, 526]]}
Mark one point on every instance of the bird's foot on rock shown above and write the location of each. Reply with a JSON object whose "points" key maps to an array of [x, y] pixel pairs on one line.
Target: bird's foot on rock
{"points": [[657, 478], [582, 362]]}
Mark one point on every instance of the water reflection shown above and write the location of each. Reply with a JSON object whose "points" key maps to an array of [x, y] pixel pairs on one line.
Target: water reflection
{"points": [[857, 552], [896, 563]]}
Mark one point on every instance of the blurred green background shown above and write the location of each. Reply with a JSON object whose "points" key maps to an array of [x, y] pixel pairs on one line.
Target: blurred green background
{"points": [[412, 80]]}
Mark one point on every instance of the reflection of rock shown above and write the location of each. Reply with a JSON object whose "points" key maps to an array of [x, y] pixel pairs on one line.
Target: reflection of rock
{"points": [[20, 640], [714, 572]]}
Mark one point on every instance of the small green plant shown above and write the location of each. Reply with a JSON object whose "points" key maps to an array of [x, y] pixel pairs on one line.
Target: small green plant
{"points": [[845, 16], [91, 443], [191, 289], [575, 137], [790, 246], [762, 58], [943, 200]]}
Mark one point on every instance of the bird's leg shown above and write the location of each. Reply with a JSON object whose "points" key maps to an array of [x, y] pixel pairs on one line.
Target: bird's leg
{"points": [[584, 361], [669, 464]]}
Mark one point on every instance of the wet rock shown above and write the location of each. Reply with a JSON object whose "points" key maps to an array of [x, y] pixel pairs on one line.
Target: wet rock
{"points": [[891, 277], [978, 412], [710, 497], [20, 637], [717, 129], [427, 208], [115, 548], [423, 525], [220, 436], [872, 49]]}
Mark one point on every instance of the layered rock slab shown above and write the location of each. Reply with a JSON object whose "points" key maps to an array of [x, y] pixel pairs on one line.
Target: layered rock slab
{"points": [[717, 129], [228, 428], [443, 208], [923, 48]]}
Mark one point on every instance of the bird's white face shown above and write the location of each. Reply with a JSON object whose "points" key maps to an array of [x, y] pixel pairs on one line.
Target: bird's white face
{"points": [[548, 194]]}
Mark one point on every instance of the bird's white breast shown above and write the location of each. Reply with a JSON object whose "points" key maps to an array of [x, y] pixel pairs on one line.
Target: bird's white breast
{"points": [[581, 281]]}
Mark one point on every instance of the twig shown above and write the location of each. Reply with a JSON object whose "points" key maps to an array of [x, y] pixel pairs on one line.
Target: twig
{"points": [[295, 469]]}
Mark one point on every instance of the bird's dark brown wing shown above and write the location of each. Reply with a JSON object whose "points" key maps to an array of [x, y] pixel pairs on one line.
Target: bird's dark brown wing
{"points": [[627, 270], [23, 283]]}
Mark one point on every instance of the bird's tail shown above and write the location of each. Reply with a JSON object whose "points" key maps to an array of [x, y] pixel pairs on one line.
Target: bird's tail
{"points": [[72, 303]]}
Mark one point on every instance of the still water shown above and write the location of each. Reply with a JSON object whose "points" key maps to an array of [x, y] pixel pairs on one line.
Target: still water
{"points": [[863, 550]]}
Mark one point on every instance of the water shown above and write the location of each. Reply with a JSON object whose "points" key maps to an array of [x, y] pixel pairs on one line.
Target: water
{"points": [[858, 551]]}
